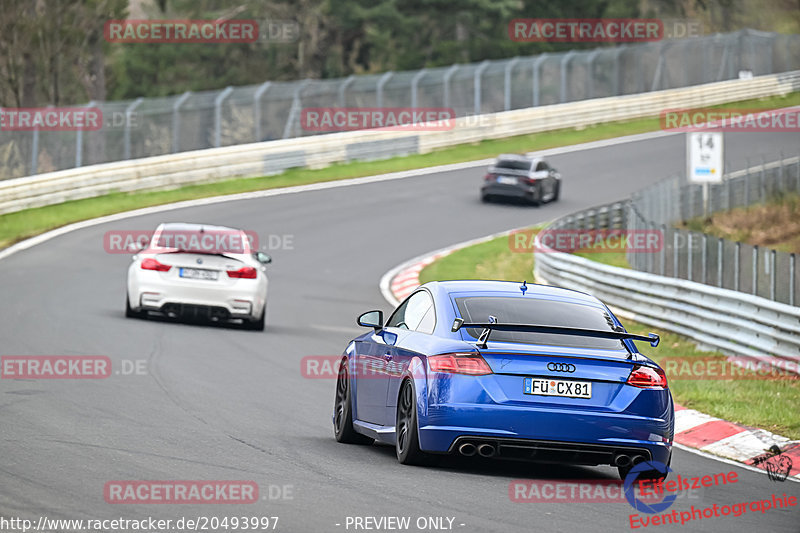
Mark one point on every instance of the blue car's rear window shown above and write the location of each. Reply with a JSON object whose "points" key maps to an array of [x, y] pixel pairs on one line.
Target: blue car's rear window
{"points": [[515, 310]]}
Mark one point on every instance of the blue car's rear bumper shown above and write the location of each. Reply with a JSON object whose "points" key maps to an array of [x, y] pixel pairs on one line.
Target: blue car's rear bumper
{"points": [[636, 421]]}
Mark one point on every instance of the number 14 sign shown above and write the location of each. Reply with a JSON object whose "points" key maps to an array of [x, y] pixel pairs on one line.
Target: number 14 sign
{"points": [[704, 156]]}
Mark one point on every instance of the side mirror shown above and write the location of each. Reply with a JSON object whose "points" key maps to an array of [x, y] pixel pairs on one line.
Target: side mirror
{"points": [[371, 319], [263, 258]]}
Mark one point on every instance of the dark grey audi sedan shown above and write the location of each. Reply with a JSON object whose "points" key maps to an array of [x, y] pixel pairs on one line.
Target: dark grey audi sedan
{"points": [[521, 177]]}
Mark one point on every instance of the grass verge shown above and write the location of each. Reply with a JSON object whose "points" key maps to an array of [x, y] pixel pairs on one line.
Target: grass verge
{"points": [[771, 404], [23, 224]]}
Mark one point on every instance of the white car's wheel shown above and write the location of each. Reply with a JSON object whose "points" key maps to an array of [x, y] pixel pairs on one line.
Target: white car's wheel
{"points": [[129, 312]]}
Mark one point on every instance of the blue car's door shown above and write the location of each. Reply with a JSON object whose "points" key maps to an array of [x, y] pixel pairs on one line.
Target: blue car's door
{"points": [[371, 379], [414, 331]]}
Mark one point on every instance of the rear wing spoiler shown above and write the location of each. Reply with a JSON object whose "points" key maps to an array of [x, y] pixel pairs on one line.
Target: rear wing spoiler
{"points": [[487, 328]]}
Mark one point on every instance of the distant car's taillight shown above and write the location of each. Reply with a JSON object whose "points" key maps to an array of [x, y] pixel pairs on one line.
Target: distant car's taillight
{"points": [[489, 177], [459, 363], [152, 264], [531, 181], [244, 272], [646, 377]]}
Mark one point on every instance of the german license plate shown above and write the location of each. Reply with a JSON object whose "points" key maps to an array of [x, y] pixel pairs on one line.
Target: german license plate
{"points": [[558, 387], [507, 180], [198, 273]]}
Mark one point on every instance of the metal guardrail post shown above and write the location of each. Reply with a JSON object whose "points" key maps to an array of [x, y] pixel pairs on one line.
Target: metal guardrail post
{"points": [[476, 86], [218, 115], [415, 85], [507, 83], [755, 270], [689, 253], [720, 261], [126, 134], [564, 65], [791, 278], [79, 142], [663, 250], [379, 88], [446, 83], [737, 267], [537, 62], [176, 120], [257, 107]]}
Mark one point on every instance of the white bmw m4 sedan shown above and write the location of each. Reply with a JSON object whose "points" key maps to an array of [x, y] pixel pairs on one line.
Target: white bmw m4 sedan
{"points": [[199, 271]]}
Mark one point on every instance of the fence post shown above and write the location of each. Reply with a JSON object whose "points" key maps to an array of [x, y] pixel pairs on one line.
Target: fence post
{"points": [[446, 84], [617, 87], [564, 65], [736, 266], [257, 105], [590, 67], [755, 270], [414, 86], [747, 184], [507, 83], [176, 120], [659, 68], [476, 84], [218, 115], [536, 64], [126, 134], [342, 89], [79, 142], [772, 275], [791, 279], [704, 258], [296, 103], [675, 254], [689, 253], [379, 88]]}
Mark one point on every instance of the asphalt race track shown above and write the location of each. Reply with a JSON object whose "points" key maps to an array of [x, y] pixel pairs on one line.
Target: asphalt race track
{"points": [[222, 403]]}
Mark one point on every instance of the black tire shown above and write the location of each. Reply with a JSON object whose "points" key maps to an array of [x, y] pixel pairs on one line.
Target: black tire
{"points": [[406, 429], [557, 191], [129, 312], [536, 198], [343, 413], [485, 198], [257, 325]]}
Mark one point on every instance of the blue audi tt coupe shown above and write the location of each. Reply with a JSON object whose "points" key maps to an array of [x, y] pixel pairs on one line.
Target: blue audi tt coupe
{"points": [[507, 370]]}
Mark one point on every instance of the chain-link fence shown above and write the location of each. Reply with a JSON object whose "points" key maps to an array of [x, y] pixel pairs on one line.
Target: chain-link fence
{"points": [[196, 120], [696, 256]]}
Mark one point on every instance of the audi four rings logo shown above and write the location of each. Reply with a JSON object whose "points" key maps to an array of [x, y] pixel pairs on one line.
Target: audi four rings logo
{"points": [[561, 367]]}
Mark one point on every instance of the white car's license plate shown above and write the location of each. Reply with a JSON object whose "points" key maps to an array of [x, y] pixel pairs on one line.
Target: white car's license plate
{"points": [[198, 273], [558, 387], [506, 180]]}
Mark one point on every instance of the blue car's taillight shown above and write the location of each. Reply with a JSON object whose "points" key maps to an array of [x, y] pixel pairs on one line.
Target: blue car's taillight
{"points": [[646, 377], [459, 363]]}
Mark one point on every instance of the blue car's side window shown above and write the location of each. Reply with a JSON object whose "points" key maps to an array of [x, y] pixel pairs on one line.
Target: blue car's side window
{"points": [[416, 314]]}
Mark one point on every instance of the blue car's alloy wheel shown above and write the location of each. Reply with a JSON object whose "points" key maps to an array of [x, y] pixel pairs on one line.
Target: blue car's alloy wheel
{"points": [[407, 441], [343, 413]]}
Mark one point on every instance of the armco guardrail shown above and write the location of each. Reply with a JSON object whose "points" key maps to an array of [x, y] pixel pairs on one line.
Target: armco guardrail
{"points": [[727, 320], [251, 160]]}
